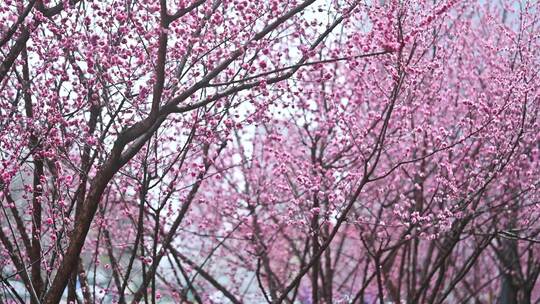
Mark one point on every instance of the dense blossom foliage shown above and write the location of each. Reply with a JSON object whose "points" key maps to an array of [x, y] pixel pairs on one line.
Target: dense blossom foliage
{"points": [[234, 151]]}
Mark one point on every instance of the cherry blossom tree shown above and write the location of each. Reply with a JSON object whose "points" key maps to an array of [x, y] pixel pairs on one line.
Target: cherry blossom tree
{"points": [[232, 151]]}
